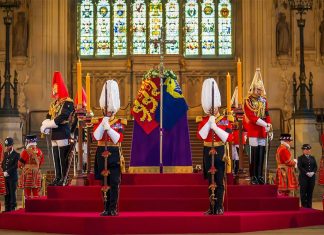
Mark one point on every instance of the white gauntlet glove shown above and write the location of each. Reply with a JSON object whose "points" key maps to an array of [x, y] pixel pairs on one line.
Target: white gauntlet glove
{"points": [[211, 120], [5, 174], [44, 130]]}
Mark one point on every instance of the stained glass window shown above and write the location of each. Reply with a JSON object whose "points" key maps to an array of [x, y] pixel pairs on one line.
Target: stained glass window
{"points": [[156, 23], [103, 28], [172, 27], [86, 28], [120, 27], [208, 27], [139, 27], [192, 28], [224, 27]]}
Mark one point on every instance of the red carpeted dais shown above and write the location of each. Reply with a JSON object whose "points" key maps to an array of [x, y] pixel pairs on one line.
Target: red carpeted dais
{"points": [[160, 203]]}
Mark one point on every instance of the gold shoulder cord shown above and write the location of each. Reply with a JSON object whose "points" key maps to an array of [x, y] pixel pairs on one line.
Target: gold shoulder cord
{"points": [[56, 107], [256, 106]]}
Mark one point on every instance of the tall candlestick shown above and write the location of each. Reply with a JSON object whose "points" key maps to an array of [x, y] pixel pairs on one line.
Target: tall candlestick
{"points": [[239, 82], [228, 92], [88, 92], [79, 83]]}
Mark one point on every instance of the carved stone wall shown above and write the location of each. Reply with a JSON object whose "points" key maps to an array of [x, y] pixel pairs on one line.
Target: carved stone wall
{"points": [[52, 46]]}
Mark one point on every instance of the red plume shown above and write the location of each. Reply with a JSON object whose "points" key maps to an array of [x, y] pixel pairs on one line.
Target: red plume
{"points": [[62, 91]]}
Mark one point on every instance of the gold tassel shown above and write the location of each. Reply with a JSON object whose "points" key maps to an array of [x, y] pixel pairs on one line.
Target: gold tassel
{"points": [[44, 184], [23, 199], [227, 159]]}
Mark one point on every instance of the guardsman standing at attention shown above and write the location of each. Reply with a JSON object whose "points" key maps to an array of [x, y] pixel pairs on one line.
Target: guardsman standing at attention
{"points": [[58, 120], [258, 126], [108, 131], [2, 179], [215, 130]]}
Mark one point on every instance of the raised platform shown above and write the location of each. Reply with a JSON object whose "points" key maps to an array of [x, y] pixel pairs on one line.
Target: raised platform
{"points": [[160, 203]]}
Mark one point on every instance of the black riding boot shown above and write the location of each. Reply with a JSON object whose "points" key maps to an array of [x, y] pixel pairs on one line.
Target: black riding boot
{"points": [[57, 166], [236, 166], [114, 193], [64, 150], [260, 164], [106, 201], [253, 164], [212, 208]]}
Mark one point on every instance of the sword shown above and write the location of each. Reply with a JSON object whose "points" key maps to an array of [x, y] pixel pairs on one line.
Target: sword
{"points": [[50, 150], [212, 169], [70, 156], [266, 159]]}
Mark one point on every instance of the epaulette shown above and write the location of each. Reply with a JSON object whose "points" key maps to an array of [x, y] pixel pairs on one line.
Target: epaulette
{"points": [[198, 119], [95, 120], [220, 117], [230, 118]]}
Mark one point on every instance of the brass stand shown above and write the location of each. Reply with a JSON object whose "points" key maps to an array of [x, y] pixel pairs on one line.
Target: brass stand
{"points": [[79, 178], [242, 177]]}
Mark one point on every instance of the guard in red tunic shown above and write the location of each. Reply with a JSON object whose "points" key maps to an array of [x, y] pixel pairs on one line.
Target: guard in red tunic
{"points": [[285, 177], [321, 169], [31, 160], [258, 126], [215, 130], [108, 131], [2, 180]]}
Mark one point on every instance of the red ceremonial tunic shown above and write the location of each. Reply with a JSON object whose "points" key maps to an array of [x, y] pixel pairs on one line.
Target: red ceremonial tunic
{"points": [[321, 172], [285, 177], [2, 180], [30, 161], [254, 108], [117, 124], [236, 134], [221, 122]]}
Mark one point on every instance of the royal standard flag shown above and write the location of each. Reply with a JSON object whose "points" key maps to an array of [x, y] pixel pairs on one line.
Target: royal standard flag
{"points": [[174, 104]]}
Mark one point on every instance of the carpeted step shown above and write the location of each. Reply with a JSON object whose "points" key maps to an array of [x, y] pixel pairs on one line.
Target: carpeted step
{"points": [[161, 191], [162, 204], [158, 222]]}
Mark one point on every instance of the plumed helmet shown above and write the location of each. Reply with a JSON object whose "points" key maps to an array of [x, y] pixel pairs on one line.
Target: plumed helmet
{"points": [[257, 83], [113, 101], [84, 98], [59, 90], [206, 95]]}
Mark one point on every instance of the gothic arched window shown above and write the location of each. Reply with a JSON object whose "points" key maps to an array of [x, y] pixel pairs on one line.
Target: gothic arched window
{"points": [[193, 28]]}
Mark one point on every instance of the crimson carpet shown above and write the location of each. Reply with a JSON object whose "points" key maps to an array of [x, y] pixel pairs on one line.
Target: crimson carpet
{"points": [[160, 203]]}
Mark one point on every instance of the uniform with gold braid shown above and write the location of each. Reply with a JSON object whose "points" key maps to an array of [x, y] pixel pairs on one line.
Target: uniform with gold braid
{"points": [[57, 123], [108, 131], [215, 131], [259, 128], [2, 180], [31, 159]]}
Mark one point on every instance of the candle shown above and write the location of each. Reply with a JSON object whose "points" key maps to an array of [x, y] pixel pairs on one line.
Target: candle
{"points": [[79, 83], [239, 82], [228, 92], [88, 92]]}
